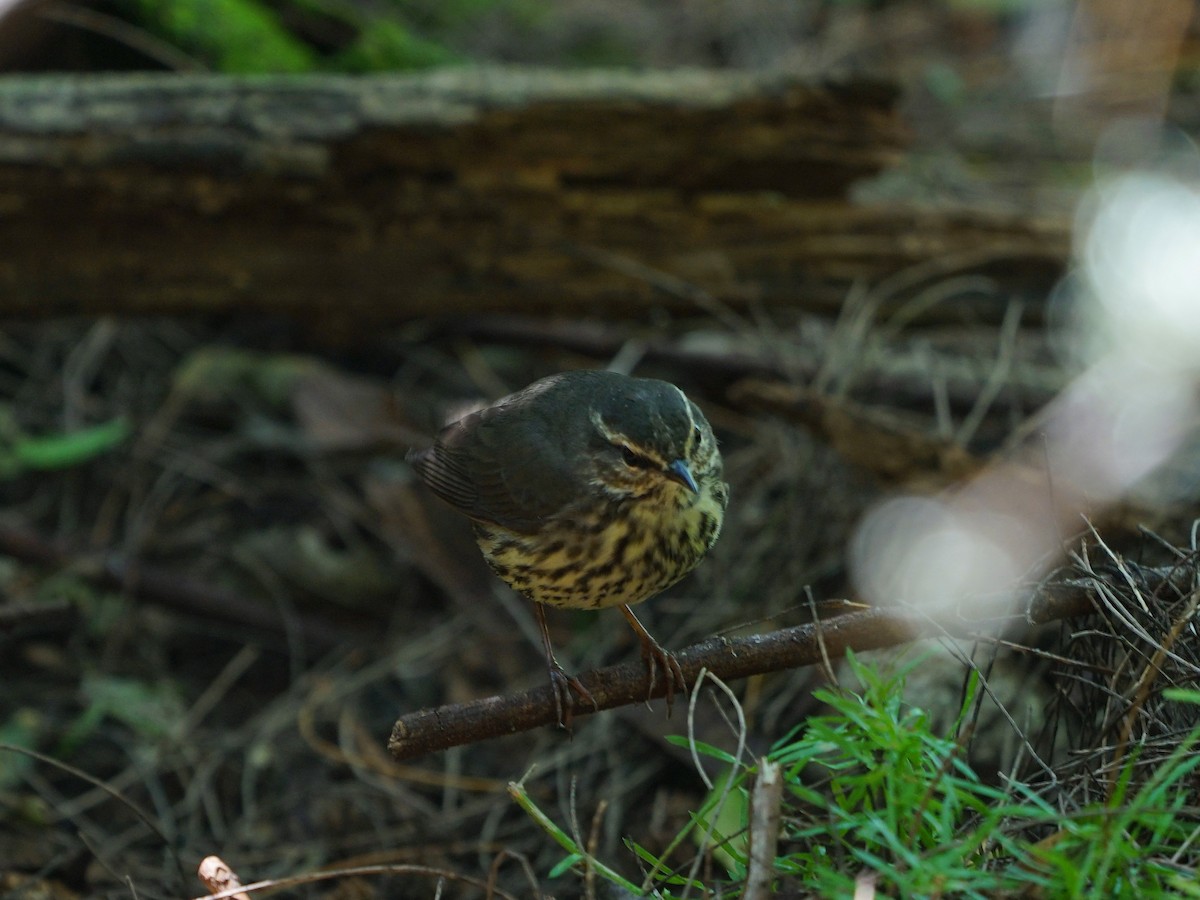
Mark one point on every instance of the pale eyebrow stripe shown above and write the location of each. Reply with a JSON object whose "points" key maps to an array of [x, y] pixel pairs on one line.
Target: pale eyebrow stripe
{"points": [[687, 408], [617, 438]]}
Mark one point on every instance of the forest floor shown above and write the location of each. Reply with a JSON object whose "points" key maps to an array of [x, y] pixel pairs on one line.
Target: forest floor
{"points": [[240, 587]]}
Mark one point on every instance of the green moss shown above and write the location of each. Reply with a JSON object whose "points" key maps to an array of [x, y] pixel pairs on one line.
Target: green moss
{"points": [[235, 36]]}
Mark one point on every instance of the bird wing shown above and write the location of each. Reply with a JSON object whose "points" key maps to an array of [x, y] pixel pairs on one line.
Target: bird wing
{"points": [[500, 466]]}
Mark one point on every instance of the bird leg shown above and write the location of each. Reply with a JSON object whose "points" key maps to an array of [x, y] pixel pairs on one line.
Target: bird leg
{"points": [[561, 683], [655, 656]]}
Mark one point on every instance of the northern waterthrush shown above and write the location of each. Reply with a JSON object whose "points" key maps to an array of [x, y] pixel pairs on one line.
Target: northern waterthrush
{"points": [[587, 489]]}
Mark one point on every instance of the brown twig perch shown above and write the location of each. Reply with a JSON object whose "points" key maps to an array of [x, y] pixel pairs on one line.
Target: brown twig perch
{"points": [[453, 725]]}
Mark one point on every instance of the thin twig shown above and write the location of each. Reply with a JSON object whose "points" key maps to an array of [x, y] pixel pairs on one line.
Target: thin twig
{"points": [[356, 872], [138, 39], [149, 821], [883, 375], [1149, 676], [165, 586], [453, 725]]}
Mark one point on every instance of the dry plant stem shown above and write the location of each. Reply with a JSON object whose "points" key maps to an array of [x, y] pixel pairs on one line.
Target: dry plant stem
{"points": [[889, 374], [893, 449], [275, 884], [219, 878], [1145, 682], [593, 848], [160, 585], [430, 730], [147, 820], [765, 802]]}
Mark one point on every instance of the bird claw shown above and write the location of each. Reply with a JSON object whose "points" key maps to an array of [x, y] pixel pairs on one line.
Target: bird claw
{"points": [[656, 657], [565, 688], [561, 684]]}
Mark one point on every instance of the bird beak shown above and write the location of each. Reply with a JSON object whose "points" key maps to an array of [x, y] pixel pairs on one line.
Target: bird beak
{"points": [[680, 472]]}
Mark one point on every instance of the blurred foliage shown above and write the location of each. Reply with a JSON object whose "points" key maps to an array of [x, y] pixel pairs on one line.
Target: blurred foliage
{"points": [[234, 36], [873, 793], [282, 36], [21, 453], [218, 374], [22, 729], [253, 36], [152, 710]]}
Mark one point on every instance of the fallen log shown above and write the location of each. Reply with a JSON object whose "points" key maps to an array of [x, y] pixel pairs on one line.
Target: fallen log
{"points": [[366, 200]]}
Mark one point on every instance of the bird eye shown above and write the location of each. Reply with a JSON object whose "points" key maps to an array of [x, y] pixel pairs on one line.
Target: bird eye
{"points": [[633, 459], [697, 436]]}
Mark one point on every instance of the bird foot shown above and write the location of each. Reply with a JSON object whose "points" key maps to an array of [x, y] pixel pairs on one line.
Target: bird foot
{"points": [[565, 689], [657, 658]]}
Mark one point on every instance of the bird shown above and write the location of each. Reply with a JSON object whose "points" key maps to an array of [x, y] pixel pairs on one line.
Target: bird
{"points": [[587, 489]]}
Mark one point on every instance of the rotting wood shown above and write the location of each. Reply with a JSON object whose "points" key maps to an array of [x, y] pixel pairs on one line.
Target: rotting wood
{"points": [[364, 200]]}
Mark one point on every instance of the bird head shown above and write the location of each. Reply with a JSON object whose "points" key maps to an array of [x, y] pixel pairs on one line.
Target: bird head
{"points": [[651, 440]]}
